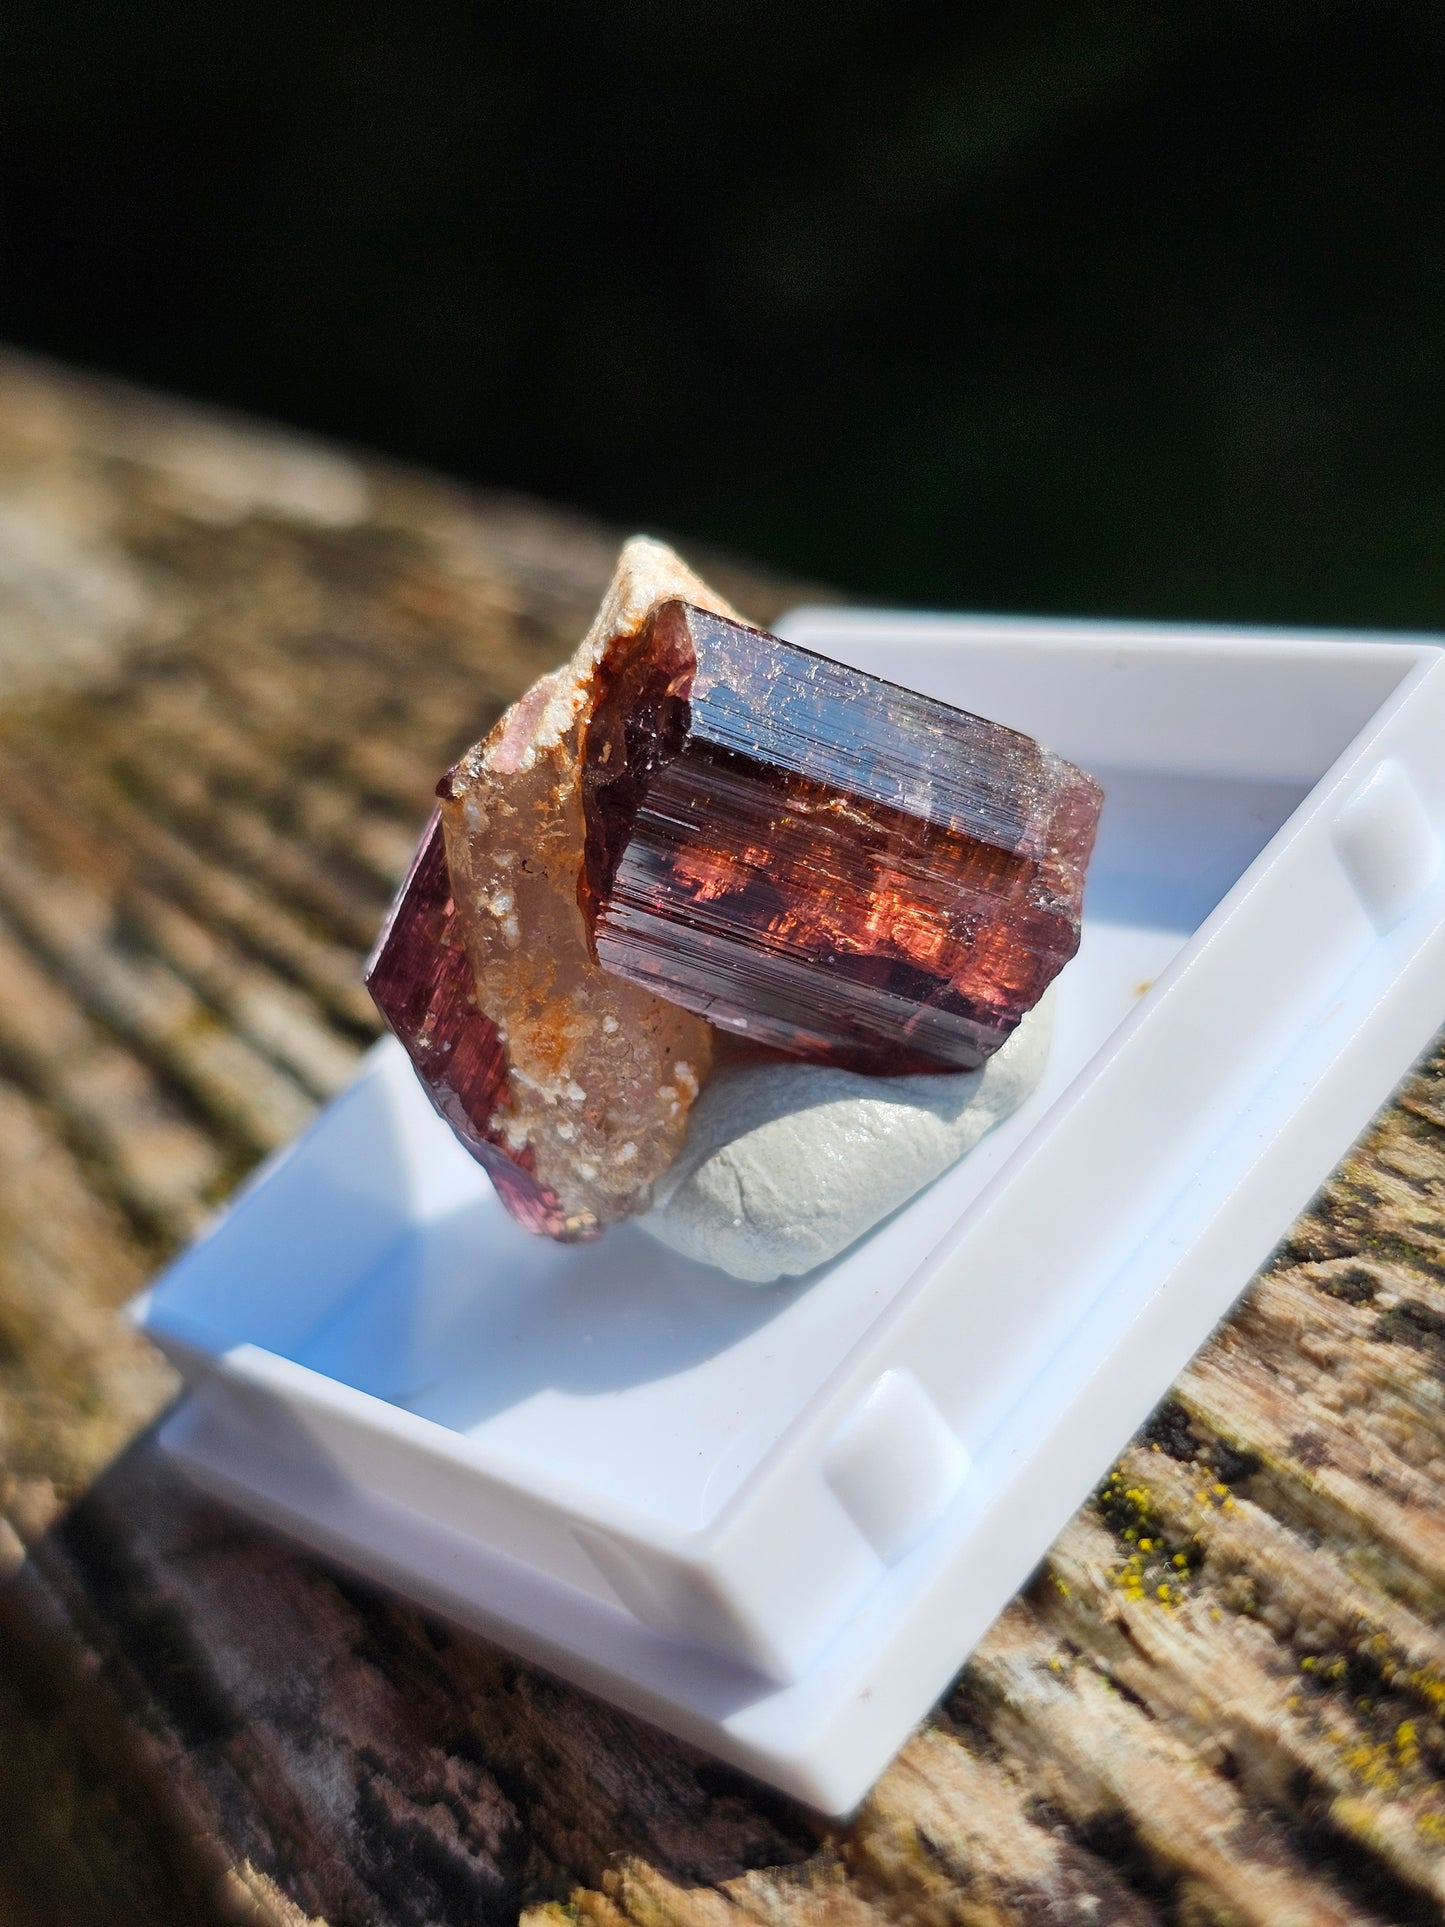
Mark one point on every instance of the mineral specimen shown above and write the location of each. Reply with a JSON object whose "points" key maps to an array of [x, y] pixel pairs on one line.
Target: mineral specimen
{"points": [[571, 1085], [831, 865], [693, 824]]}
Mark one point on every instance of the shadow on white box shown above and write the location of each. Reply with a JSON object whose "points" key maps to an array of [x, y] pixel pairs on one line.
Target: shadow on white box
{"points": [[775, 1522]]}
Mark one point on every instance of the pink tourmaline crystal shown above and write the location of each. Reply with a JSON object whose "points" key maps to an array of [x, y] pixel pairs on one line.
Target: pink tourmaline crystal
{"points": [[819, 860], [421, 981], [692, 824], [569, 1084]]}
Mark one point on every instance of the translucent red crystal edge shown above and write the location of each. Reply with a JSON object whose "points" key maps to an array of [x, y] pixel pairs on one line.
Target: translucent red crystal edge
{"points": [[420, 979]]}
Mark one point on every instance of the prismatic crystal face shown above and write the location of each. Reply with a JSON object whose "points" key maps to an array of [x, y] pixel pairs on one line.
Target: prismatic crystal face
{"points": [[818, 860], [421, 981]]}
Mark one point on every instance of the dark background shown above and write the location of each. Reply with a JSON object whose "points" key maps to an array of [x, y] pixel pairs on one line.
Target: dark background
{"points": [[1110, 307]]}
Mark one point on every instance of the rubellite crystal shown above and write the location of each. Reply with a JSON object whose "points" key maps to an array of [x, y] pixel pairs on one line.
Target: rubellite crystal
{"points": [[421, 980], [694, 824], [819, 860], [571, 1085]]}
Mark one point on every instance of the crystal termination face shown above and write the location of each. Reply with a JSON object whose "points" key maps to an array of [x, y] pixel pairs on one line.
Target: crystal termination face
{"points": [[818, 860]]}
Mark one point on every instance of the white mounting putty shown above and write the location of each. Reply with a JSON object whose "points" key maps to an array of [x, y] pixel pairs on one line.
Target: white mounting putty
{"points": [[786, 1165]]}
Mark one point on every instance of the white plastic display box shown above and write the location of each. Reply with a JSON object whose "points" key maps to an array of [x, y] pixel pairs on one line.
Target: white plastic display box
{"points": [[775, 1521]]}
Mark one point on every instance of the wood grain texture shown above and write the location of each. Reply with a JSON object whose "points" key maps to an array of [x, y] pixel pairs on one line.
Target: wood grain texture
{"points": [[232, 665]]}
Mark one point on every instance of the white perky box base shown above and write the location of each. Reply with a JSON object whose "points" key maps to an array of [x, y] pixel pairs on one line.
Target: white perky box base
{"points": [[776, 1522]]}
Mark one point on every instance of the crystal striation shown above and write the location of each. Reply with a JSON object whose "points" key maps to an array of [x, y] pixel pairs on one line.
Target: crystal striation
{"points": [[821, 861], [585, 1104]]}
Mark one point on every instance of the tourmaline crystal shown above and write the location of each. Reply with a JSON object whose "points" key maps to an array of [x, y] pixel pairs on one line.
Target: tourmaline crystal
{"points": [[421, 980], [819, 860], [694, 824], [571, 1085]]}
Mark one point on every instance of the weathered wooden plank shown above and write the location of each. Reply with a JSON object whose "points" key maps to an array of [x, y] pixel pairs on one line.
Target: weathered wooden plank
{"points": [[1222, 1700]]}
